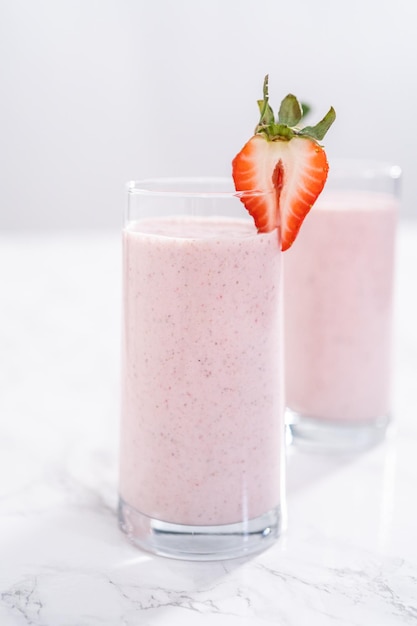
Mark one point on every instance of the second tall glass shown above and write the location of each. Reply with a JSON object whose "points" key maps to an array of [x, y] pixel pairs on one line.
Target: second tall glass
{"points": [[339, 279]]}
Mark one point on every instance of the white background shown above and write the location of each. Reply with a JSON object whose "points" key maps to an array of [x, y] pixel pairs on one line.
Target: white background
{"points": [[97, 92]]}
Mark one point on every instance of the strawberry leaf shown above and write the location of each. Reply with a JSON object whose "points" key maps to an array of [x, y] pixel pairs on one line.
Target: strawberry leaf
{"points": [[319, 130], [306, 109], [290, 111], [267, 114]]}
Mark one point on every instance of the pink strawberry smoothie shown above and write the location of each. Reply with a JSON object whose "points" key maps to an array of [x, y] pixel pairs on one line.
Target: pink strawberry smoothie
{"points": [[202, 404], [338, 290]]}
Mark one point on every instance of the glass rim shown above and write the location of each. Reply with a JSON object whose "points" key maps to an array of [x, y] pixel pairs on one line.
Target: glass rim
{"points": [[344, 167], [191, 187]]}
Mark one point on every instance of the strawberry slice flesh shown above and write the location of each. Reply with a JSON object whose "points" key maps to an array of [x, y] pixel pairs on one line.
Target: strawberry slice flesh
{"points": [[294, 172]]}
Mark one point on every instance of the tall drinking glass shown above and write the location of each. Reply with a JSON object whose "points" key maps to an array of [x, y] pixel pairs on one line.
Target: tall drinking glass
{"points": [[338, 309], [201, 462]]}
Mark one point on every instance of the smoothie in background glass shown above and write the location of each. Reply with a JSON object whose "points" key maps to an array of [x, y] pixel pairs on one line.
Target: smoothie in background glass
{"points": [[338, 286], [202, 426]]}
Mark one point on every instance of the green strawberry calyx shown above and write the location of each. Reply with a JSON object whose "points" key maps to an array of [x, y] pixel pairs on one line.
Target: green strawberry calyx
{"points": [[291, 112]]}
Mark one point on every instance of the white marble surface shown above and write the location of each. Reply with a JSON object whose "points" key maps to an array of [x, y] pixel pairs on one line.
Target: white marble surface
{"points": [[348, 558]]}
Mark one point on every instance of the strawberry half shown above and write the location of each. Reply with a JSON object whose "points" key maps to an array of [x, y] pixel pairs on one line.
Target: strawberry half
{"points": [[285, 160]]}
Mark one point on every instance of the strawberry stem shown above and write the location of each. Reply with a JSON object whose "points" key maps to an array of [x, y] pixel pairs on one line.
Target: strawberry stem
{"points": [[290, 113]]}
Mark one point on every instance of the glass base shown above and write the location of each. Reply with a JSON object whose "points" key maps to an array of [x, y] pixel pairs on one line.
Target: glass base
{"points": [[200, 543], [336, 435]]}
